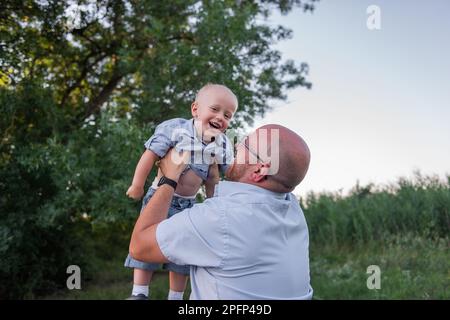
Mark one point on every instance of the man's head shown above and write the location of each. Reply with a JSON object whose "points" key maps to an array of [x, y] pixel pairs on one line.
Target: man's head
{"points": [[213, 108], [273, 157]]}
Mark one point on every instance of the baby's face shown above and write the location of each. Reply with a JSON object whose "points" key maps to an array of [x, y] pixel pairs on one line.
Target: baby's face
{"points": [[213, 111]]}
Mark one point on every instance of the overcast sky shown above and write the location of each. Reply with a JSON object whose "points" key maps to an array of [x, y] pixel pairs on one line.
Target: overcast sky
{"points": [[380, 103]]}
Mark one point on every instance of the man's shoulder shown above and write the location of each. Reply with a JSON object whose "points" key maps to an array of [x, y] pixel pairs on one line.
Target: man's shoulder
{"points": [[225, 204], [211, 204], [237, 197], [214, 209]]}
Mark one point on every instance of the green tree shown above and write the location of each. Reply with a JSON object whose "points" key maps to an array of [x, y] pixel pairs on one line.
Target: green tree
{"points": [[82, 85], [148, 57]]}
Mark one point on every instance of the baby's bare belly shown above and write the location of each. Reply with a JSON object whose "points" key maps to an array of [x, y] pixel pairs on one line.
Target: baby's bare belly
{"points": [[188, 184]]}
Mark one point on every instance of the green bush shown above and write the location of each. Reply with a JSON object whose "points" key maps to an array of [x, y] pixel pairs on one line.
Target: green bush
{"points": [[419, 206], [36, 245], [63, 201]]}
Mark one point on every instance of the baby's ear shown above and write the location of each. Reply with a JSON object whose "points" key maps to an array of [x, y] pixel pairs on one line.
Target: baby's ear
{"points": [[194, 108]]}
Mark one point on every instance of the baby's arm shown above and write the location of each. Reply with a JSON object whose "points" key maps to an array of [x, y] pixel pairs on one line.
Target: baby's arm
{"points": [[143, 168], [213, 179]]}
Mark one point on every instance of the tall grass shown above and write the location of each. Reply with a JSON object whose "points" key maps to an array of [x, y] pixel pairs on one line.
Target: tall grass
{"points": [[403, 228], [370, 214]]}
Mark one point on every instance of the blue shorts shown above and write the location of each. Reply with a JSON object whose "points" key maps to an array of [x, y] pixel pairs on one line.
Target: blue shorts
{"points": [[178, 204]]}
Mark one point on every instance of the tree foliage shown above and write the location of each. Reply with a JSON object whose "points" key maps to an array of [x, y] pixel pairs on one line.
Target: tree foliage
{"points": [[148, 57], [82, 85]]}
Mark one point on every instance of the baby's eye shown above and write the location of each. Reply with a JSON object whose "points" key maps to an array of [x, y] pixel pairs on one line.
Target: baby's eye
{"points": [[214, 108]]}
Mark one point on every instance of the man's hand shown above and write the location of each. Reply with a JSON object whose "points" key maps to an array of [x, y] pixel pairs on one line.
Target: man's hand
{"points": [[135, 192], [173, 163]]}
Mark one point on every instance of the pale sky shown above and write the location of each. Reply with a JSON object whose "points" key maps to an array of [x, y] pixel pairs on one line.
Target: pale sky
{"points": [[380, 103]]}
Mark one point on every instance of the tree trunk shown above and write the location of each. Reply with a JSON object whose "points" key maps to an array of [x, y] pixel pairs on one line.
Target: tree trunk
{"points": [[102, 97]]}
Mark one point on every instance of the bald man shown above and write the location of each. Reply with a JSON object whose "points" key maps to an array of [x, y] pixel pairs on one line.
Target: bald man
{"points": [[250, 241]]}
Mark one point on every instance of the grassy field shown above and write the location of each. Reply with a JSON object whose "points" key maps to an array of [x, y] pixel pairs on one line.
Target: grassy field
{"points": [[403, 228], [112, 281], [411, 268]]}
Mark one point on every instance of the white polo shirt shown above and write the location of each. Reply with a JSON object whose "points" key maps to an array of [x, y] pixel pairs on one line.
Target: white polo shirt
{"points": [[244, 243]]}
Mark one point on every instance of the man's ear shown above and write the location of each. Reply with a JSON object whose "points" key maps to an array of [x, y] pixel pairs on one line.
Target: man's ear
{"points": [[194, 108], [260, 172]]}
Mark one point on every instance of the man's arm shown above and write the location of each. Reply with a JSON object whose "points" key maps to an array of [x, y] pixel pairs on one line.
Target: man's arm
{"points": [[143, 244]]}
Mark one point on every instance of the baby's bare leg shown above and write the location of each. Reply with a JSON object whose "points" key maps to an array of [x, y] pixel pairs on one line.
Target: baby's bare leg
{"points": [[142, 277], [177, 281], [141, 280]]}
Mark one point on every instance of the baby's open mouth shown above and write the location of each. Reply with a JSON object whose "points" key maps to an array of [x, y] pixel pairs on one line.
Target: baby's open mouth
{"points": [[214, 125]]}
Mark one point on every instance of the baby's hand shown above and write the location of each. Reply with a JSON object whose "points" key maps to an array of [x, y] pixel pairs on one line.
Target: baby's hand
{"points": [[135, 193]]}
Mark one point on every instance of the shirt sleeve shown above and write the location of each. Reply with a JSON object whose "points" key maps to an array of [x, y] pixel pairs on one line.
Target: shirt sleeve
{"points": [[195, 236], [163, 138]]}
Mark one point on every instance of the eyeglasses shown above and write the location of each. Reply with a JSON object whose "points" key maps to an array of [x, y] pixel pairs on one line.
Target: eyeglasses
{"points": [[244, 142]]}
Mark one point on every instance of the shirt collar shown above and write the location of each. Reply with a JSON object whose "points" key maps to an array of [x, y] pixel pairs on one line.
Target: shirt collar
{"points": [[220, 137], [224, 188]]}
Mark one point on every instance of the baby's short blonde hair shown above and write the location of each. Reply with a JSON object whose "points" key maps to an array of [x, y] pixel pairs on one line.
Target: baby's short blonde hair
{"points": [[208, 86]]}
